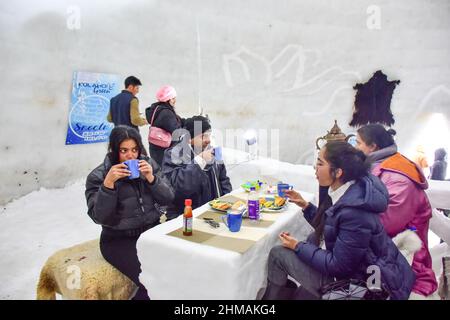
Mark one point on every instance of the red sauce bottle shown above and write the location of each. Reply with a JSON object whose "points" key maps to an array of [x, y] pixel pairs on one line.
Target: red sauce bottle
{"points": [[187, 218]]}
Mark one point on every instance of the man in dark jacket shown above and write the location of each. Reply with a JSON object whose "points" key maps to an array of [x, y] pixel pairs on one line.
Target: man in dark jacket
{"points": [[192, 169], [124, 108]]}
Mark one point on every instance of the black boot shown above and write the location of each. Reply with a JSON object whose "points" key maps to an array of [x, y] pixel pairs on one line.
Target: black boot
{"points": [[141, 294], [276, 292]]}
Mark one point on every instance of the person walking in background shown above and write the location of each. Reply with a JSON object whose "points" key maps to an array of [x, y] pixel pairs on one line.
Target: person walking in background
{"points": [[165, 117], [438, 170], [124, 107]]}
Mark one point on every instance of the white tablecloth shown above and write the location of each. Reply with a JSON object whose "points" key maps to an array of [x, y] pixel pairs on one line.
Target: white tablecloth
{"points": [[173, 268], [439, 194]]}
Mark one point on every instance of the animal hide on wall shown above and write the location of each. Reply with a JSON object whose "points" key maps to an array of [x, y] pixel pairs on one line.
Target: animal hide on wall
{"points": [[373, 101]]}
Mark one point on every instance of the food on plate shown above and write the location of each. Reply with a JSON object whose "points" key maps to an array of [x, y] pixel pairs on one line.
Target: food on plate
{"points": [[238, 205], [268, 204], [272, 203], [220, 205], [279, 201]]}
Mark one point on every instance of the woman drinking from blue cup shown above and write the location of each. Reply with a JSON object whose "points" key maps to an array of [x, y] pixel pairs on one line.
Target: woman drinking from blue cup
{"points": [[349, 239], [133, 167], [126, 207]]}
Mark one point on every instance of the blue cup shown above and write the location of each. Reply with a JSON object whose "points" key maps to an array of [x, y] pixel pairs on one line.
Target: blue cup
{"points": [[233, 221], [133, 166], [218, 153], [282, 187]]}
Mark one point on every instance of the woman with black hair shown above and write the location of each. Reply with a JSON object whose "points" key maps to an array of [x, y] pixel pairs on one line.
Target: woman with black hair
{"points": [[126, 207], [348, 238], [409, 207]]}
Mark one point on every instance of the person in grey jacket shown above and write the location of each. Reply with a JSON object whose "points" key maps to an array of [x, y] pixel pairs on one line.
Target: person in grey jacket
{"points": [[439, 167], [126, 207]]}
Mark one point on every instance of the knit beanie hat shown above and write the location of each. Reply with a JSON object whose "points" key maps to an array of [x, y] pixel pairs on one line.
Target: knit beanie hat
{"points": [[197, 125], [165, 93]]}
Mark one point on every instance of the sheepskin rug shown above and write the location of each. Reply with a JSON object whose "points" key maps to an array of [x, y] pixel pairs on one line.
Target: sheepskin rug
{"points": [[81, 273]]}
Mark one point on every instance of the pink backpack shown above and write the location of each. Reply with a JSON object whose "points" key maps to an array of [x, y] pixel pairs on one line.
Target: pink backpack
{"points": [[158, 136]]}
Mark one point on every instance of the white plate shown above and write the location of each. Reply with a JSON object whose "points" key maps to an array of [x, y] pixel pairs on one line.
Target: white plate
{"points": [[264, 209]]}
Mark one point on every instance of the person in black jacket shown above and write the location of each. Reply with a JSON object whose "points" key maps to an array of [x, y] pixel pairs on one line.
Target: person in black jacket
{"points": [[125, 208], [192, 169], [164, 117]]}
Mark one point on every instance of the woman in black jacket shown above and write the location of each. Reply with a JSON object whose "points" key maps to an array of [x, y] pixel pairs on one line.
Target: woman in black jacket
{"points": [[125, 207], [164, 117]]}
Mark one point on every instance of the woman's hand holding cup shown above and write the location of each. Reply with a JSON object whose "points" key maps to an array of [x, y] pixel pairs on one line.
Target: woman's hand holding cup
{"points": [[116, 172], [296, 198], [207, 155], [147, 171]]}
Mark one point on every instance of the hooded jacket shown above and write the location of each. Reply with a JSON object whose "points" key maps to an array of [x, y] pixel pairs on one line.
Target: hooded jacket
{"points": [[408, 207], [439, 168], [355, 239]]}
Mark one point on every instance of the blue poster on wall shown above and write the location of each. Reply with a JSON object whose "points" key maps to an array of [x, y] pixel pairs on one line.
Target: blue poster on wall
{"points": [[89, 107]]}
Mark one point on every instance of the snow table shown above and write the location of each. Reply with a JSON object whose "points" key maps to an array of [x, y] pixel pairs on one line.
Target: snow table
{"points": [[174, 268], [438, 193]]}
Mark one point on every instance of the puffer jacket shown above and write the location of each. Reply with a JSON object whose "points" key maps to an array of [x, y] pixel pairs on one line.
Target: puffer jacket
{"points": [[166, 119], [131, 204], [355, 239], [408, 207]]}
